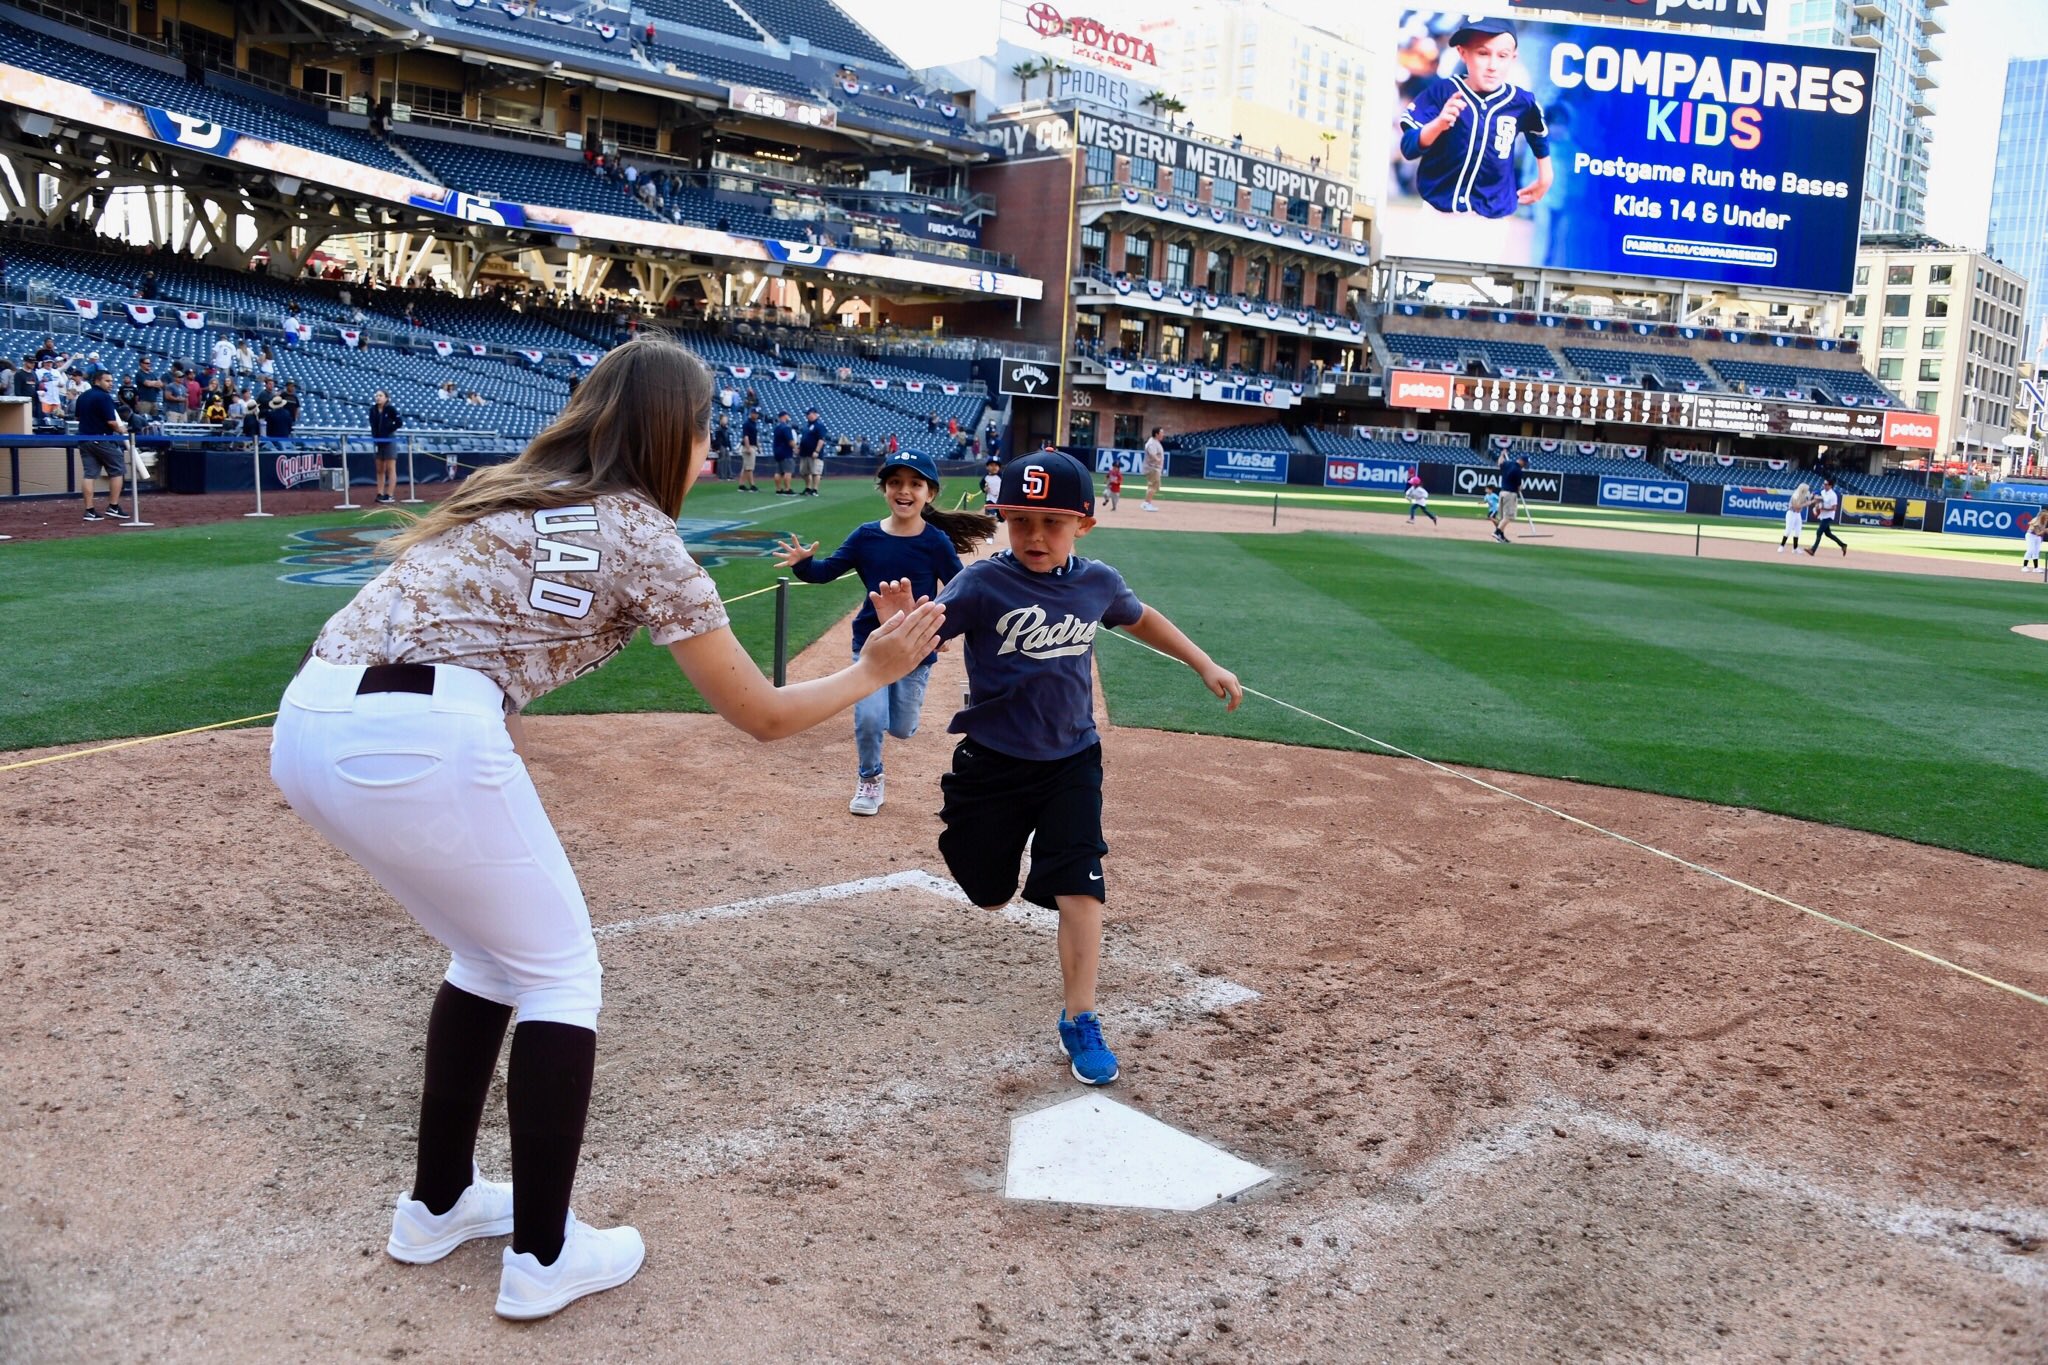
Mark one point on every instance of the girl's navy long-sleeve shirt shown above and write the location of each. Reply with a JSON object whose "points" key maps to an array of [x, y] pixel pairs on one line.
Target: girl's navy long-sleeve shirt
{"points": [[925, 559]]}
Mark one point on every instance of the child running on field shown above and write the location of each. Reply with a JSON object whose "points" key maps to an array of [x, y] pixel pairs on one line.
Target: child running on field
{"points": [[1493, 508], [916, 542], [1029, 767], [1418, 501], [1116, 485], [991, 479]]}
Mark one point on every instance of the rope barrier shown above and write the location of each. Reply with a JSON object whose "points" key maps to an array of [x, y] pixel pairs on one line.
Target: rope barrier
{"points": [[130, 743], [1686, 863]]}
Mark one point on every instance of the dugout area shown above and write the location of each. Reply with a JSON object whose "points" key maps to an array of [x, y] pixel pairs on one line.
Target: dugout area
{"points": [[1525, 1093]]}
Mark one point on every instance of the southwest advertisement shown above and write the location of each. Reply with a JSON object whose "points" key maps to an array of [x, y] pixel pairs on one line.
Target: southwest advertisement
{"points": [[1583, 147]]}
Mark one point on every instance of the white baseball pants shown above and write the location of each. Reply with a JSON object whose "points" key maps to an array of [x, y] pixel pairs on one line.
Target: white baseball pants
{"points": [[428, 795]]}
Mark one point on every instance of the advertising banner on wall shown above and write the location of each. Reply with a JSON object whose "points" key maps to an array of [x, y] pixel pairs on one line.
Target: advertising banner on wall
{"points": [[1347, 471], [1972, 517], [1476, 481], [1661, 495], [1765, 504], [1146, 377], [1627, 151], [1244, 466]]}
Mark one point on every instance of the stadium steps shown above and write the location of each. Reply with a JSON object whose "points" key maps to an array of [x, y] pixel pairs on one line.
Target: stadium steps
{"points": [[419, 168]]}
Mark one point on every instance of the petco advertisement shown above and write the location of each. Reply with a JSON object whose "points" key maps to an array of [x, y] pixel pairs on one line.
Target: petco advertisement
{"points": [[1969, 517], [1344, 471], [1583, 147], [1245, 466]]}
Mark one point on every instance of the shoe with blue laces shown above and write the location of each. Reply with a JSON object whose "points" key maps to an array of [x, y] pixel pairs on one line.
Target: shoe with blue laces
{"points": [[1081, 1040]]}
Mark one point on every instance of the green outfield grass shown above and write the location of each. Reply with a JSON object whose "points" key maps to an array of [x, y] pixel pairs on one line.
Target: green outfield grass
{"points": [[1894, 703], [136, 633]]}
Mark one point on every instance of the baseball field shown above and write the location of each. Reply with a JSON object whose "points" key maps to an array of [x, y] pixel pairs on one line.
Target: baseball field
{"points": [[1686, 1001]]}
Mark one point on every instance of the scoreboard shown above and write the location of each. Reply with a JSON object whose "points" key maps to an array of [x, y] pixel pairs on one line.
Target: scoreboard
{"points": [[1559, 400]]}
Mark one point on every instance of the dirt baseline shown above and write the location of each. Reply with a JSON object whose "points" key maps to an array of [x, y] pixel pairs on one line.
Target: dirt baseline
{"points": [[1529, 1094]]}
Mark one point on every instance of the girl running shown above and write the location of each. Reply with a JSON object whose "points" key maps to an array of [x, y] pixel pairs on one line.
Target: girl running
{"points": [[916, 542], [399, 742], [1795, 518], [1418, 501]]}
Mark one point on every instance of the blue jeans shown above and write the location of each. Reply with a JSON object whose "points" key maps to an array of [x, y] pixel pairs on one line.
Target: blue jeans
{"points": [[894, 709]]}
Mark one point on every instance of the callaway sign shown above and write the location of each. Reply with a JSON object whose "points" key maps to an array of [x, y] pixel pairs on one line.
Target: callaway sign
{"points": [[1029, 378]]}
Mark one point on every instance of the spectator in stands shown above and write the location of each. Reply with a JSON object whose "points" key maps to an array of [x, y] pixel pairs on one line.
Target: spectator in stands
{"points": [[866, 452], [147, 289], [244, 357], [48, 351], [721, 446], [290, 323], [784, 449], [252, 417], [811, 453], [176, 395], [149, 389], [266, 363], [845, 446], [6, 375], [384, 425], [447, 391], [25, 377], [194, 396], [750, 447], [473, 398], [281, 414], [215, 412], [1155, 469], [98, 416]]}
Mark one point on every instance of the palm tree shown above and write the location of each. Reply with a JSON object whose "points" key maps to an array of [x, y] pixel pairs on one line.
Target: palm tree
{"points": [[1153, 100], [1170, 106], [1049, 70], [1024, 71]]}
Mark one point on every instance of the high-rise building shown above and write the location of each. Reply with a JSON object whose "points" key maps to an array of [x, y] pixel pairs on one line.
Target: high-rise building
{"points": [[1283, 83], [1943, 326], [1901, 33], [2018, 230]]}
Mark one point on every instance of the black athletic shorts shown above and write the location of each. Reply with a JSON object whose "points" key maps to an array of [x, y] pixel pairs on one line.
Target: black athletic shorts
{"points": [[994, 802]]}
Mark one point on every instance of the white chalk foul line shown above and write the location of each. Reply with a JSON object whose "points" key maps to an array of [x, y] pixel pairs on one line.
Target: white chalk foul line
{"points": [[1651, 849], [914, 879]]}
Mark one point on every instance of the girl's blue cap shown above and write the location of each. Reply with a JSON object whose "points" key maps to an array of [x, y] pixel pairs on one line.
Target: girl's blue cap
{"points": [[916, 461]]}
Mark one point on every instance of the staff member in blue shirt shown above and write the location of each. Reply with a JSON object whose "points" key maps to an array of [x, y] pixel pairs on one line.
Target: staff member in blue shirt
{"points": [[785, 451], [98, 415], [1030, 764], [384, 425], [811, 453]]}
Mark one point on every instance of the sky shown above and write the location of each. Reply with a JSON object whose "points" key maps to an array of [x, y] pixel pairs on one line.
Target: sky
{"points": [[1981, 35]]}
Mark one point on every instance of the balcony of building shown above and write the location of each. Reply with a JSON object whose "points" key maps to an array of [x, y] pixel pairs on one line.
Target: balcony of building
{"points": [[1924, 77], [1873, 10], [1921, 103], [1930, 22], [1866, 35], [1925, 50]]}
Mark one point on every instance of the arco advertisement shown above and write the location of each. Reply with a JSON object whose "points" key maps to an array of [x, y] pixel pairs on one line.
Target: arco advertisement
{"points": [[1516, 142]]}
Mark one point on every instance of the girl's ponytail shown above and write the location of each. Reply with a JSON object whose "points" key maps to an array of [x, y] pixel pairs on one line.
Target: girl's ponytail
{"points": [[965, 529]]}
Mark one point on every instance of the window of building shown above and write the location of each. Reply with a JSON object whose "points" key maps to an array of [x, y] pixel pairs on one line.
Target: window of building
{"points": [[1212, 347], [1130, 430], [1893, 338], [1255, 279], [636, 135], [1262, 202], [1252, 352], [1220, 266], [1144, 172], [1326, 292], [1862, 275], [1898, 305], [1177, 263], [1899, 274], [1173, 342], [1184, 183], [1130, 335], [1942, 274], [1290, 286], [1094, 245], [424, 99], [1101, 166], [1891, 368], [1930, 369], [1933, 338], [1081, 428], [1927, 400], [270, 66], [318, 80], [1937, 305], [1855, 307], [203, 45]]}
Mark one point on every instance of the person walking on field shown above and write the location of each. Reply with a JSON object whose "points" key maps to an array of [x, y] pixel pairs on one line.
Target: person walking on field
{"points": [[399, 741], [1795, 518], [750, 450], [1155, 469], [1510, 496], [384, 425], [2030, 561], [1825, 506], [99, 415]]}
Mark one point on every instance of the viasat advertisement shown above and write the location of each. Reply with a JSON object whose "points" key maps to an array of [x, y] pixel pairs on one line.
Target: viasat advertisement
{"points": [[1246, 466], [1641, 152]]}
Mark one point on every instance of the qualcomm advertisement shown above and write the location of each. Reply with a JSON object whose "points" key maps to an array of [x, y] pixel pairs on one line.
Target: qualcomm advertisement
{"points": [[1244, 466], [1770, 504], [1659, 494], [1344, 471], [1967, 517], [1582, 147]]}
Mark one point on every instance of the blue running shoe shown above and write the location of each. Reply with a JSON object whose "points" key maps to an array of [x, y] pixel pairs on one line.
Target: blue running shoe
{"points": [[1081, 1040]]}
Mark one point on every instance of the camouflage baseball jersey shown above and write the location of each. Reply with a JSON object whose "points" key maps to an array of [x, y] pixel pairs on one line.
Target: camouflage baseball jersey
{"points": [[531, 599]]}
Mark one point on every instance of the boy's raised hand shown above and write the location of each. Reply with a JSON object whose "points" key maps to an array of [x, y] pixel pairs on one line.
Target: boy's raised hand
{"points": [[1453, 107], [1224, 684], [793, 550]]}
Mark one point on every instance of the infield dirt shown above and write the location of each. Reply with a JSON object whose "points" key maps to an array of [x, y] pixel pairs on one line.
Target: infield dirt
{"points": [[1530, 1094]]}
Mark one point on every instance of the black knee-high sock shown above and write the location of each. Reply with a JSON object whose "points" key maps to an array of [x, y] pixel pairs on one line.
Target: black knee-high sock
{"points": [[464, 1033], [548, 1094]]}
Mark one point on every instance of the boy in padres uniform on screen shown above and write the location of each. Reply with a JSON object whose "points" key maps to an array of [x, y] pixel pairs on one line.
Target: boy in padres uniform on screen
{"points": [[1029, 767], [1462, 129]]}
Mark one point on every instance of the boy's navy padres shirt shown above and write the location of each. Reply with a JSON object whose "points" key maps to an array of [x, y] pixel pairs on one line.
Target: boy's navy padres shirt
{"points": [[1470, 168], [1028, 640]]}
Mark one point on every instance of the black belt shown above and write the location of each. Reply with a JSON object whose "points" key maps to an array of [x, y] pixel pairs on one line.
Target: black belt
{"points": [[397, 678]]}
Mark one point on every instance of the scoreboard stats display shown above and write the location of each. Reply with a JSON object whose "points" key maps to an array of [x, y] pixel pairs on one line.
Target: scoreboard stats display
{"points": [[1560, 400]]}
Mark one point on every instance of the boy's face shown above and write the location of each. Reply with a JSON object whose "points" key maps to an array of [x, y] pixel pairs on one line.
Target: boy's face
{"points": [[1042, 541], [1488, 62]]}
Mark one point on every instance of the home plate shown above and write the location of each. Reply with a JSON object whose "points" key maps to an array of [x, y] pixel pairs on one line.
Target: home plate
{"points": [[1092, 1150]]}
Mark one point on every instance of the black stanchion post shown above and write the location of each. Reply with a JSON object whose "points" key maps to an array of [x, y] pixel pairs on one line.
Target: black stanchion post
{"points": [[1696, 540], [1276, 509], [781, 631]]}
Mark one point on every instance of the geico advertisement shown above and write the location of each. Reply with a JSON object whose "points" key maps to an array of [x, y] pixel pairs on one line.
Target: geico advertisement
{"points": [[1965, 516], [1658, 494], [1582, 147]]}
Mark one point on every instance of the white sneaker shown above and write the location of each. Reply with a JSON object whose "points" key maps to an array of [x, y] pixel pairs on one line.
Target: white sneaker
{"points": [[867, 797], [1151, 507], [1781, 549], [592, 1259], [421, 1238]]}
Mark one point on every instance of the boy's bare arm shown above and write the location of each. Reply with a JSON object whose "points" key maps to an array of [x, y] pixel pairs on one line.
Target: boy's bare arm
{"points": [[1164, 636]]}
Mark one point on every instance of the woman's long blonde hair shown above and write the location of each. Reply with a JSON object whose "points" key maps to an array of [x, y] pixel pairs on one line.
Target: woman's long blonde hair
{"points": [[633, 426], [1801, 496]]}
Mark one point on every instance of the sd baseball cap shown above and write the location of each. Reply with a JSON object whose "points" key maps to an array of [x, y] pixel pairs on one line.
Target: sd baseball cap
{"points": [[1048, 481], [916, 462], [1478, 28]]}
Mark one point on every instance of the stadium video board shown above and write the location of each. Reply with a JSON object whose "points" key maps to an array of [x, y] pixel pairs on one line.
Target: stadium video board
{"points": [[1565, 401], [1623, 151]]}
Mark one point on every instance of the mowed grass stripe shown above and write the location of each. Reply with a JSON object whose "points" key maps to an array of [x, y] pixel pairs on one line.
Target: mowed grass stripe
{"points": [[1715, 707]]}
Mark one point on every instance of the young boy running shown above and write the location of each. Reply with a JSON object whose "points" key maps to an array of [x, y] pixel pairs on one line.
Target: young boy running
{"points": [[1030, 765]]}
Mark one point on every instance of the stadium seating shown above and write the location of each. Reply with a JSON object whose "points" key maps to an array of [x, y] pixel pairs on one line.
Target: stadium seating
{"points": [[1670, 369], [1499, 357], [1262, 436], [132, 81], [500, 172], [701, 62], [1887, 485], [1801, 381], [824, 24], [1742, 474], [712, 16]]}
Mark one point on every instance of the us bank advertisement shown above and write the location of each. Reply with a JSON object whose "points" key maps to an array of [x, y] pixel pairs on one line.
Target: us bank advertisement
{"points": [[1638, 152]]}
